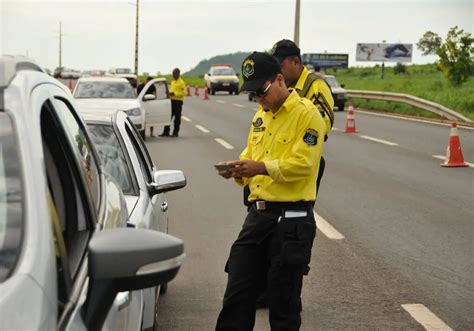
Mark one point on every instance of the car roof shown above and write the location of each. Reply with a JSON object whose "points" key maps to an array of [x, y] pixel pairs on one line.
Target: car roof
{"points": [[103, 79], [11, 65]]}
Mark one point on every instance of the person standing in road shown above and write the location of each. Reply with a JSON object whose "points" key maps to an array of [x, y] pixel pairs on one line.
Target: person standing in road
{"points": [[280, 165], [177, 93]]}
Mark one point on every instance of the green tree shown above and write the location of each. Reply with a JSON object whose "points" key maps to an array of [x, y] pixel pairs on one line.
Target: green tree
{"points": [[455, 53]]}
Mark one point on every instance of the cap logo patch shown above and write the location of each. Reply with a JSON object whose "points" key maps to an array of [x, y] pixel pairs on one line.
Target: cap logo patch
{"points": [[311, 137], [248, 68]]}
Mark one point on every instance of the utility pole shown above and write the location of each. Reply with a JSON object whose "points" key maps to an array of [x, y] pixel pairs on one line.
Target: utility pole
{"points": [[296, 37], [136, 38], [60, 44]]}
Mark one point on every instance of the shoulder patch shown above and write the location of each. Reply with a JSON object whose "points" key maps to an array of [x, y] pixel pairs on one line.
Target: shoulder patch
{"points": [[258, 122], [311, 137]]}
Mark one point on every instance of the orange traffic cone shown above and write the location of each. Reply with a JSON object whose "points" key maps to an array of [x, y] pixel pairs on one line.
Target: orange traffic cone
{"points": [[206, 94], [69, 85], [350, 121], [196, 90], [188, 91], [454, 157]]}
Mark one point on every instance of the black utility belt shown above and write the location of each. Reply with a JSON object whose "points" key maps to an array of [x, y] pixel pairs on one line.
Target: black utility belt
{"points": [[270, 205]]}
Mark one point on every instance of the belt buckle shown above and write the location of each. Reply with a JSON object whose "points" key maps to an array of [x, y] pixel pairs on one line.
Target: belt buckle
{"points": [[260, 205]]}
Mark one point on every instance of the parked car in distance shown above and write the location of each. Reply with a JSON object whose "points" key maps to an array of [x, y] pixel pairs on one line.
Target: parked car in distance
{"points": [[64, 243], [125, 73], [110, 93], [222, 77], [339, 94], [69, 73], [93, 73], [125, 157]]}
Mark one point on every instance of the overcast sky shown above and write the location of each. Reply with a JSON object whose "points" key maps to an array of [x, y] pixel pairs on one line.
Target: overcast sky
{"points": [[180, 33]]}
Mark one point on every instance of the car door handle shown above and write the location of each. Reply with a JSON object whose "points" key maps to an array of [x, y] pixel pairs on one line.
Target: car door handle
{"points": [[164, 206], [122, 300]]}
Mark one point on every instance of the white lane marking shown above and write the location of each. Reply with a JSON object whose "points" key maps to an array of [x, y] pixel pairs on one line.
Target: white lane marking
{"points": [[425, 317], [187, 119], [220, 101], [443, 157], [237, 105], [224, 143], [379, 140], [413, 119], [203, 129], [327, 229]]}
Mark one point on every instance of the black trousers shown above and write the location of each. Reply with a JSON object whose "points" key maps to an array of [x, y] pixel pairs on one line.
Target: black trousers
{"points": [[176, 110], [271, 251]]}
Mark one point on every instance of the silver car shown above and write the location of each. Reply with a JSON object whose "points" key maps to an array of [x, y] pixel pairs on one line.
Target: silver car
{"points": [[125, 157], [67, 261]]}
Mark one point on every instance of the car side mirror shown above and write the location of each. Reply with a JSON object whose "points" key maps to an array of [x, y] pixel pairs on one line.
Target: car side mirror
{"points": [[149, 97], [209, 74], [237, 74], [166, 181], [124, 260], [342, 85]]}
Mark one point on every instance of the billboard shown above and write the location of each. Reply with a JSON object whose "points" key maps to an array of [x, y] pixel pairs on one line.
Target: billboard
{"points": [[384, 52], [326, 60]]}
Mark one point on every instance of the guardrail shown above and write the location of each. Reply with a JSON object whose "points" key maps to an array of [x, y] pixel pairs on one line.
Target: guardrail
{"points": [[410, 100]]}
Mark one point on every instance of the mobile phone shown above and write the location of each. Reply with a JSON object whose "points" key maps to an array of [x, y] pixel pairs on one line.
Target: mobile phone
{"points": [[224, 167]]}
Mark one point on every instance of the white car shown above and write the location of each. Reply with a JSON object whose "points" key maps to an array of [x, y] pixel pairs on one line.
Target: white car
{"points": [[67, 261], [222, 77], [125, 158], [110, 93], [70, 73]]}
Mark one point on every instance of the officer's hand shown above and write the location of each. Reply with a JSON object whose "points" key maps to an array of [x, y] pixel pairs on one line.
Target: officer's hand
{"points": [[248, 168]]}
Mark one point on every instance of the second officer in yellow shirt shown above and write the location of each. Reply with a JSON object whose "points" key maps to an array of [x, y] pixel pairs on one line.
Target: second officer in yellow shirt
{"points": [[177, 94], [280, 165]]}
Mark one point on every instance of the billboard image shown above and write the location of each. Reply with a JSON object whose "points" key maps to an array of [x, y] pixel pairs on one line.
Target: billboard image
{"points": [[326, 61], [384, 52]]}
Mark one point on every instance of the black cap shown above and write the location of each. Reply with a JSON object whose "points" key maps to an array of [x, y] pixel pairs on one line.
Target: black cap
{"points": [[284, 48], [257, 68]]}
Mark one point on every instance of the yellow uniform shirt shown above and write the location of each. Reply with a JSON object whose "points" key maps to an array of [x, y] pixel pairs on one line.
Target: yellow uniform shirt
{"points": [[321, 92], [177, 87], [290, 142]]}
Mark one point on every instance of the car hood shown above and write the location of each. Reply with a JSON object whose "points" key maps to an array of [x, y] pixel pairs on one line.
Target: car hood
{"points": [[225, 78], [119, 104]]}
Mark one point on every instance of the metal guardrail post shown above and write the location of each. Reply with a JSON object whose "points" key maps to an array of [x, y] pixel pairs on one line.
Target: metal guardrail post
{"points": [[410, 100]]}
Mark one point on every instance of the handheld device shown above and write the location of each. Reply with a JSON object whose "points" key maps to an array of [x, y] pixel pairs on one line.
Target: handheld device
{"points": [[224, 167]]}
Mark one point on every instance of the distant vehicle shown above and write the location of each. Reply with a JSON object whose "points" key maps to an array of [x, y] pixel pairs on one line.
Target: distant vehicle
{"points": [[125, 73], [110, 93], [221, 77], [48, 71], [65, 245], [69, 73], [93, 73], [125, 157], [339, 94], [57, 72]]}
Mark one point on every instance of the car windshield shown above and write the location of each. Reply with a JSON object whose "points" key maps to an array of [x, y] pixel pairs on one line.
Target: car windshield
{"points": [[332, 82], [121, 71], [224, 72], [111, 155], [105, 90], [11, 198]]}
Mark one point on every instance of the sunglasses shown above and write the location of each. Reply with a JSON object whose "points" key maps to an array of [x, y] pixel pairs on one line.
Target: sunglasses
{"points": [[260, 92]]}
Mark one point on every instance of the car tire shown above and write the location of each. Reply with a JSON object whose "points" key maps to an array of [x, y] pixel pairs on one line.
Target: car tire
{"points": [[340, 107], [142, 133], [213, 92], [163, 288]]}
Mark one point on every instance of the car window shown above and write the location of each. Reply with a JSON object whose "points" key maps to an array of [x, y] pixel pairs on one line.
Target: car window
{"points": [[112, 157], [83, 148], [11, 198], [332, 82], [145, 164], [105, 90]]}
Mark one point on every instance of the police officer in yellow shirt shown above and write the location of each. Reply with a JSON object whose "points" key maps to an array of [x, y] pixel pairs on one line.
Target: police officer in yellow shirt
{"points": [[177, 94], [280, 165]]}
